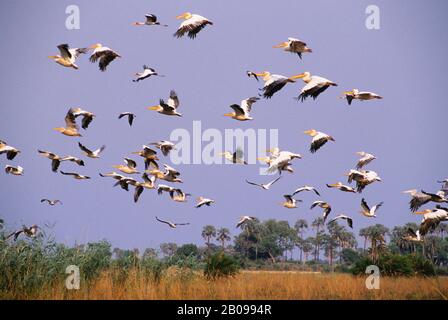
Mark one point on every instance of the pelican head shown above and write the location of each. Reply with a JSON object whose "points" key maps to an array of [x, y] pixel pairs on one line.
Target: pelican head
{"points": [[424, 211], [311, 132], [282, 45], [96, 45], [265, 74], [305, 76], [186, 15]]}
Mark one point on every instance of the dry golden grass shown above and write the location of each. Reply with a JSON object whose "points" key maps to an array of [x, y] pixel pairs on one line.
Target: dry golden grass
{"points": [[253, 285]]}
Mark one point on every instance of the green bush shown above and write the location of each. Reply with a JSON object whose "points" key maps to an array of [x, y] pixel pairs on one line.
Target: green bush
{"points": [[220, 265]]}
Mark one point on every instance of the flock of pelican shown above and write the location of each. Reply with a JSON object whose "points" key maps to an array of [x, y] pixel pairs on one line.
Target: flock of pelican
{"points": [[277, 160]]}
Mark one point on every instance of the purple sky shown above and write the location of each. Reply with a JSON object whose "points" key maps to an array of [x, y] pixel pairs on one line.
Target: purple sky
{"points": [[404, 61]]}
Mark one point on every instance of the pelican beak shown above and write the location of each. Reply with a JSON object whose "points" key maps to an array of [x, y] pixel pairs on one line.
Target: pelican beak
{"points": [[52, 57], [93, 46], [420, 212], [181, 16], [348, 92], [260, 74], [153, 108], [228, 115], [59, 129], [281, 45], [298, 76], [308, 132]]}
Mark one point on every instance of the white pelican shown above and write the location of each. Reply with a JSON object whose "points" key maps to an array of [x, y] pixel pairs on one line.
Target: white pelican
{"points": [[129, 167], [91, 154], [343, 217], [290, 202], [71, 128], [273, 82], [242, 113], [282, 161], [11, 152], [149, 155], [151, 20], [319, 139], [56, 160], [87, 117], [172, 224], [76, 176], [68, 56], [164, 146], [306, 188], [324, 205], [104, 54], [235, 157], [340, 186], [314, 86], [264, 186], [432, 218], [413, 236], [51, 202], [204, 201], [363, 178], [365, 159], [131, 117], [17, 171], [113, 175], [360, 95], [178, 195], [170, 107], [421, 198], [164, 188], [192, 25], [125, 182], [294, 45], [147, 72], [28, 231], [149, 183], [367, 211], [244, 219], [170, 174]]}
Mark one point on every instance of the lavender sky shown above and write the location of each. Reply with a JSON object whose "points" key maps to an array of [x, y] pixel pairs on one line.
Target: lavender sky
{"points": [[404, 61]]}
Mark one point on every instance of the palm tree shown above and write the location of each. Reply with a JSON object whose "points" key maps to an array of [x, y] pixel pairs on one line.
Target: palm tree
{"points": [[208, 232], [223, 235], [377, 235], [363, 233], [301, 225], [307, 247], [316, 224]]}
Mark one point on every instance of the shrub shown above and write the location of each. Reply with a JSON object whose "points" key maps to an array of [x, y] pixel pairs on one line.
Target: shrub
{"points": [[220, 265]]}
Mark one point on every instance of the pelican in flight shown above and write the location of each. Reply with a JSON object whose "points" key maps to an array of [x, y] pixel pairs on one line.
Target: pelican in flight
{"points": [[264, 186], [281, 161], [235, 157], [170, 174], [148, 183], [164, 188], [71, 128], [17, 171], [306, 188], [365, 159], [294, 45], [51, 202], [87, 116], [11, 152], [413, 236], [151, 20], [164, 146], [204, 201], [363, 178], [432, 218], [359, 95], [314, 86], [178, 195], [242, 113], [30, 232], [192, 25], [343, 217], [131, 117], [76, 176], [324, 205], [244, 219], [146, 73], [340, 186], [122, 180], [105, 55], [91, 154], [172, 224], [273, 82], [129, 167], [170, 107], [149, 155], [319, 139], [56, 160], [290, 202], [68, 56], [421, 198], [367, 211]]}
